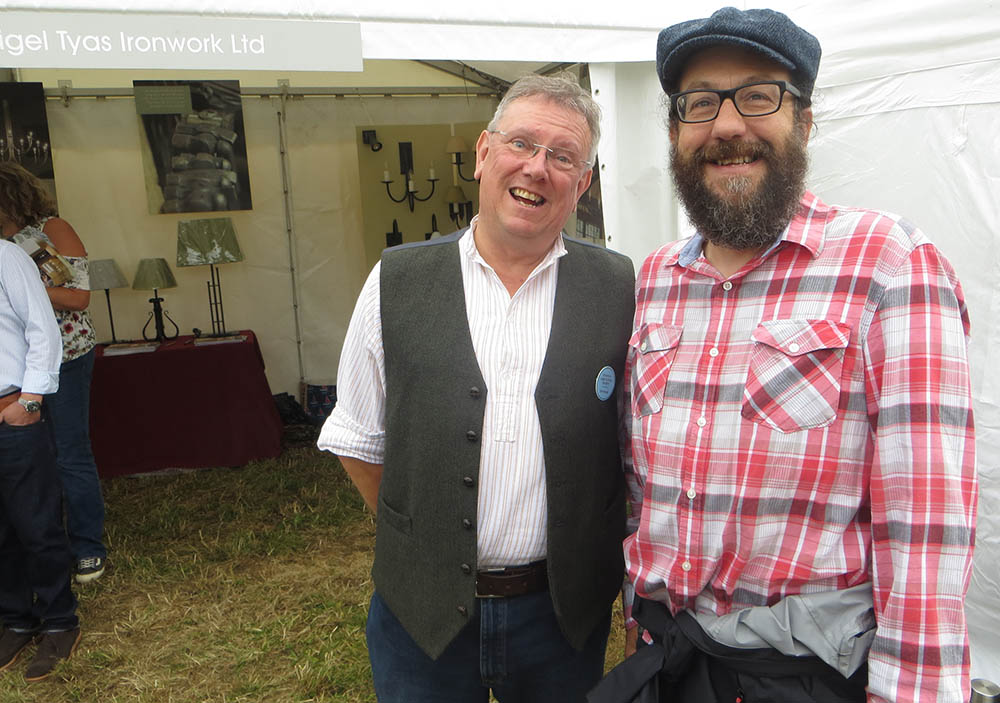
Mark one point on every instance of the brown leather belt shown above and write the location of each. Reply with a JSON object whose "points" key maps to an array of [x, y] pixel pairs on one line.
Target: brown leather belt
{"points": [[512, 581]]}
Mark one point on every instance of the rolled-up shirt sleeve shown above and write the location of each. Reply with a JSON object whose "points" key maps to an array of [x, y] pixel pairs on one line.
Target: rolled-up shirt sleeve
{"points": [[30, 303], [356, 427]]}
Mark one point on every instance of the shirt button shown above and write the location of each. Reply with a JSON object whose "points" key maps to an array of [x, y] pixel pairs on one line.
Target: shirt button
{"points": [[691, 493], [728, 285], [713, 352], [466, 569], [463, 611], [702, 422], [643, 347], [467, 523], [471, 436], [793, 347], [474, 392], [686, 565], [468, 481]]}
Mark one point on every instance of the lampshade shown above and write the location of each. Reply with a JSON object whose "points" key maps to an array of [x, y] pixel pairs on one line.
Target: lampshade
{"points": [[207, 241], [455, 194], [455, 145], [104, 274], [153, 274]]}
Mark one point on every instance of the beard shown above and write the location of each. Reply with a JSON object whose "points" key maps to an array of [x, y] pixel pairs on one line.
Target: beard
{"points": [[749, 217]]}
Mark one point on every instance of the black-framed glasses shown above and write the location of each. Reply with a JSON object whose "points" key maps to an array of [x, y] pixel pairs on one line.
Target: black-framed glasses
{"points": [[751, 100], [522, 147]]}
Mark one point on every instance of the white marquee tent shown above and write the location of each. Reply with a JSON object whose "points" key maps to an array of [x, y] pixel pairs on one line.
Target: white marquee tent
{"points": [[907, 105]]}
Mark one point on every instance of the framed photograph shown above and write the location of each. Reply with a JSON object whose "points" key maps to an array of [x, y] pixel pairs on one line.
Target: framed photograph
{"points": [[195, 153], [24, 132]]}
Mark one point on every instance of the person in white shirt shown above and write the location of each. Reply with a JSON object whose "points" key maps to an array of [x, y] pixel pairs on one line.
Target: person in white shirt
{"points": [[477, 414], [36, 602]]}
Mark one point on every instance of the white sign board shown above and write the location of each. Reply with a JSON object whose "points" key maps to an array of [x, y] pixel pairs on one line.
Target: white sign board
{"points": [[119, 40]]}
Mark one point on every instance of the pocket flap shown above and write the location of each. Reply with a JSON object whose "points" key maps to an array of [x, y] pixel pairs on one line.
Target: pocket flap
{"points": [[656, 337], [798, 337]]}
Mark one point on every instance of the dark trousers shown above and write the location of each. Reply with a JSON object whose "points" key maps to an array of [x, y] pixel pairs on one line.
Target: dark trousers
{"points": [[35, 561], [69, 415], [511, 646]]}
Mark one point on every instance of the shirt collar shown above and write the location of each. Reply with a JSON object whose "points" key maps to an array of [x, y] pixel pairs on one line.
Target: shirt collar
{"points": [[467, 245], [806, 229]]}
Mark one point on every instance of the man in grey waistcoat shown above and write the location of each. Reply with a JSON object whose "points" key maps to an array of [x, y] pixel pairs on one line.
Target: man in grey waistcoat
{"points": [[478, 416]]}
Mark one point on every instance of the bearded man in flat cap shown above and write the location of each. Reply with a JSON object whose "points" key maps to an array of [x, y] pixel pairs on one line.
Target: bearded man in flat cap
{"points": [[803, 478]]}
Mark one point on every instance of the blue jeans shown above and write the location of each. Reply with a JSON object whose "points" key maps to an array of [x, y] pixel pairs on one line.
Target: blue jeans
{"points": [[511, 645], [69, 410], [35, 562]]}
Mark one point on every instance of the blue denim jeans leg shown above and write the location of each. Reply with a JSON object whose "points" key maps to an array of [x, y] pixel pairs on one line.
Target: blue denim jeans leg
{"points": [[69, 410], [512, 646], [35, 561]]}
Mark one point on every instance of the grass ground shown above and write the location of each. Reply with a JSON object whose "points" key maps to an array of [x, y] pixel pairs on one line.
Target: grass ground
{"points": [[226, 586]]}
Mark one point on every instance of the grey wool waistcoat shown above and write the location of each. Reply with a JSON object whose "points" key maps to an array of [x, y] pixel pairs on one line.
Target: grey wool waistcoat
{"points": [[425, 548]]}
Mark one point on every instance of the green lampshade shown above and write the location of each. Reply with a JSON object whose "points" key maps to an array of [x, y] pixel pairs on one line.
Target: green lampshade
{"points": [[207, 241], [153, 274], [105, 274]]}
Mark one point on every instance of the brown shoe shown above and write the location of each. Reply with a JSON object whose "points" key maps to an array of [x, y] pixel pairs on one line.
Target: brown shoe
{"points": [[52, 647], [11, 644]]}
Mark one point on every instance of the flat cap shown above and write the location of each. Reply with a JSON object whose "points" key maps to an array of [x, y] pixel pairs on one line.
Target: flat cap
{"points": [[766, 32]]}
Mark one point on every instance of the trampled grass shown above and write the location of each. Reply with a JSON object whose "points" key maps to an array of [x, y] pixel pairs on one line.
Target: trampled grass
{"points": [[246, 585]]}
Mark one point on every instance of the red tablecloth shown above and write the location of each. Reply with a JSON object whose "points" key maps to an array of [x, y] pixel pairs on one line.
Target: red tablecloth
{"points": [[183, 406]]}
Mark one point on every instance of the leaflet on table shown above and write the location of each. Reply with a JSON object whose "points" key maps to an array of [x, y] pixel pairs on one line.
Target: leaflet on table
{"points": [[229, 339], [123, 348]]}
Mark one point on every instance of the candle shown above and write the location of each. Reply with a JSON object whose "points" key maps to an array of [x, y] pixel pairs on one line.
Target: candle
{"points": [[432, 171], [385, 176]]}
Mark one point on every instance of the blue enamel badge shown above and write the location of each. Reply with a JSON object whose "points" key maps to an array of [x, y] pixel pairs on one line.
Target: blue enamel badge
{"points": [[605, 384]]}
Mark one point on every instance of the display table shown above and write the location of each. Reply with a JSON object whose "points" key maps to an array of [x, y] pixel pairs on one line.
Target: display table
{"points": [[182, 406]]}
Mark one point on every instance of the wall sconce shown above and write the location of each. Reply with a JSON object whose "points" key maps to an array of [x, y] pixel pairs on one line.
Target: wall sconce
{"points": [[459, 207], [406, 169], [434, 233], [154, 274], [104, 275], [455, 146], [369, 138], [395, 237], [209, 241]]}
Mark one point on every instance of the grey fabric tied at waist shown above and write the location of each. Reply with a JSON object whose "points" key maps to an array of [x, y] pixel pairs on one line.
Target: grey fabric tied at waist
{"points": [[678, 640]]}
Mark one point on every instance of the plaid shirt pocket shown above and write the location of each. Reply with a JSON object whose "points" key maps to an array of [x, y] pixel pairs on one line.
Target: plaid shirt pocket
{"points": [[793, 382], [654, 345]]}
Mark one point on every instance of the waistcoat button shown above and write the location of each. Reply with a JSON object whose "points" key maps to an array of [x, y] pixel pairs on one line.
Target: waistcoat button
{"points": [[474, 392], [466, 569], [471, 435], [468, 481]]}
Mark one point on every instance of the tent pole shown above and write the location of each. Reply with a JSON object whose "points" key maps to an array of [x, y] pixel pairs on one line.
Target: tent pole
{"points": [[290, 226]]}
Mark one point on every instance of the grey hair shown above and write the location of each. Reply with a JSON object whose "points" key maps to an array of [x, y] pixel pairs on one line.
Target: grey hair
{"points": [[562, 89]]}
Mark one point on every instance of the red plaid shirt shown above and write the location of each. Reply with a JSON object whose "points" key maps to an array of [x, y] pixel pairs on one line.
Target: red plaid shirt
{"points": [[806, 425]]}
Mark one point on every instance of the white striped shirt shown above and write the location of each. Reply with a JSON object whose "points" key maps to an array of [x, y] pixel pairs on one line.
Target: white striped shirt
{"points": [[510, 335], [30, 344]]}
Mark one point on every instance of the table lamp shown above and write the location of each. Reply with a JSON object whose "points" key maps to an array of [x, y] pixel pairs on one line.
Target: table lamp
{"points": [[209, 241], [154, 274], [105, 275]]}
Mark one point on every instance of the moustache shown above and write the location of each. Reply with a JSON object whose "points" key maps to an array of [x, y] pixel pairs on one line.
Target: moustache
{"points": [[731, 151]]}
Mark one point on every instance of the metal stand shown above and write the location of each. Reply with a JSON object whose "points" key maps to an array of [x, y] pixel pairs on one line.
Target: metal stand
{"points": [[157, 316], [107, 294], [215, 311]]}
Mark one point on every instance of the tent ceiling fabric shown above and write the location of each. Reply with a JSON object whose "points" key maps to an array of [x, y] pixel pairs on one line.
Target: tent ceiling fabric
{"points": [[860, 39]]}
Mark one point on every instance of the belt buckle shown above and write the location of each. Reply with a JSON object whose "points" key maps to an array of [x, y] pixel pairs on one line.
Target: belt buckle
{"points": [[494, 570]]}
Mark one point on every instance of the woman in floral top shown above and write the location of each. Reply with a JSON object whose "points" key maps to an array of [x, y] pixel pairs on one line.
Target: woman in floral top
{"points": [[27, 212]]}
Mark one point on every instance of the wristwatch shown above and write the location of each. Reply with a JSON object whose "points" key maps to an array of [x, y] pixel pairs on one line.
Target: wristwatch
{"points": [[31, 406]]}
